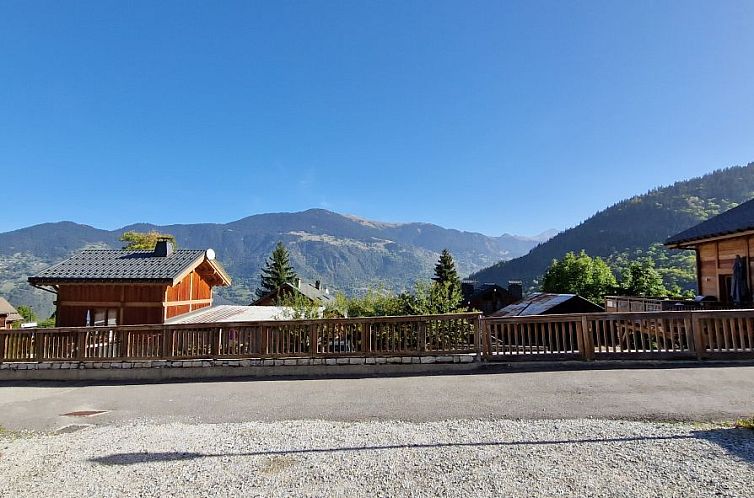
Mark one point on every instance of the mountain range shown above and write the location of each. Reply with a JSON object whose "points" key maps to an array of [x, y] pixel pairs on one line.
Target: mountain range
{"points": [[345, 252], [351, 254], [636, 227]]}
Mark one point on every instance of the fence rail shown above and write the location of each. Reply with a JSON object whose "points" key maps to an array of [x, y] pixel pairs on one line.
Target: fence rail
{"points": [[642, 335], [390, 336], [602, 336]]}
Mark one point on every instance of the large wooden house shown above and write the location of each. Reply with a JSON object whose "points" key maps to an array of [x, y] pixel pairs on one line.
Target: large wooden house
{"points": [[717, 242], [125, 287]]}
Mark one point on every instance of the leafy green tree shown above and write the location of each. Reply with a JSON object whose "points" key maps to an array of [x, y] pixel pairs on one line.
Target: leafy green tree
{"points": [[589, 277], [373, 303], [300, 307], [277, 271], [144, 240], [435, 298], [27, 313], [641, 278]]}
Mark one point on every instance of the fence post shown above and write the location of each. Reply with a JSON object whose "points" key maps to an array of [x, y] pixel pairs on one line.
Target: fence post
{"points": [[3, 339], [478, 337], [214, 343], [584, 339], [421, 337], [263, 345], [81, 344], [167, 343], [689, 333], [313, 349], [699, 344], [38, 346]]}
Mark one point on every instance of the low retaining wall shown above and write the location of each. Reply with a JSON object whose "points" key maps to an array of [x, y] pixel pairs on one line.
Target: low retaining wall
{"points": [[228, 368]]}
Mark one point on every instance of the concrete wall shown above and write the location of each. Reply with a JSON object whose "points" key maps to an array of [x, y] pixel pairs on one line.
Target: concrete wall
{"points": [[214, 369]]}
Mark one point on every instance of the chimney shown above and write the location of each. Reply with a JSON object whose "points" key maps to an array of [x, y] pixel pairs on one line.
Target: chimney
{"points": [[163, 248], [316, 284], [327, 291], [298, 283], [516, 289]]}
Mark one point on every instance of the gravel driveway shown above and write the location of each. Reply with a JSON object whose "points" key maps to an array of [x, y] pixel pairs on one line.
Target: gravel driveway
{"points": [[461, 458]]}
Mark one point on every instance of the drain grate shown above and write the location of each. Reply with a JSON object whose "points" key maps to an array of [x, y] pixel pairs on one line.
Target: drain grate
{"points": [[84, 413]]}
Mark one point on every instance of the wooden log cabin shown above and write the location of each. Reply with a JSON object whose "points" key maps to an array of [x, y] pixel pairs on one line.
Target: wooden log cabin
{"points": [[125, 287], [717, 242]]}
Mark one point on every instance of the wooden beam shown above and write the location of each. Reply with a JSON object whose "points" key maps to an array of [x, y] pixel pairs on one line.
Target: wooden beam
{"points": [[112, 304], [171, 304], [690, 244]]}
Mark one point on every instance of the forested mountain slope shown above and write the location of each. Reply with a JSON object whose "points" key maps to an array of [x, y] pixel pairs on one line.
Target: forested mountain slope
{"points": [[637, 226]]}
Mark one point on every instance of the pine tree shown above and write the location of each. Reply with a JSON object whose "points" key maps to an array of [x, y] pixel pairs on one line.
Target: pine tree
{"points": [[445, 270], [277, 271]]}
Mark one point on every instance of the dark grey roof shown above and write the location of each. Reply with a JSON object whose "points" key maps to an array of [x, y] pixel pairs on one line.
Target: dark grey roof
{"points": [[540, 303], [305, 288], [106, 265], [738, 219], [310, 291]]}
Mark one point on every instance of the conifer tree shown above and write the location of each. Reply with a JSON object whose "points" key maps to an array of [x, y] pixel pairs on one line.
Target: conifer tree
{"points": [[445, 270], [277, 271]]}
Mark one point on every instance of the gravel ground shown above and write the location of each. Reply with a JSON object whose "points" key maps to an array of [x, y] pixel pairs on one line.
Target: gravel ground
{"points": [[319, 458]]}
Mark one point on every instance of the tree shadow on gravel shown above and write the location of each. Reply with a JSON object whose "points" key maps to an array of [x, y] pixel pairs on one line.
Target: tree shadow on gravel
{"points": [[148, 457], [739, 443]]}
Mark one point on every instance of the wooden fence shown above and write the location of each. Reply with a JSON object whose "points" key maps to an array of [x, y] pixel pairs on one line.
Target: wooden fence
{"points": [[603, 336], [656, 335], [383, 336]]}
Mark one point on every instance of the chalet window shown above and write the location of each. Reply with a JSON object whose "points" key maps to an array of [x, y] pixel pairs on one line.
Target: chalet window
{"points": [[101, 317]]}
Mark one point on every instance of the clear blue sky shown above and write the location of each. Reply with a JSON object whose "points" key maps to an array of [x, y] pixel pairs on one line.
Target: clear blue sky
{"points": [[484, 116]]}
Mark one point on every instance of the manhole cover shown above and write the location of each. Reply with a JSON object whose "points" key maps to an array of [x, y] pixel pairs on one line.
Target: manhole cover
{"points": [[84, 413]]}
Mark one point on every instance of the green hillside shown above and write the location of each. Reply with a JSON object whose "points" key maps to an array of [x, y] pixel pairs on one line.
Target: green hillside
{"points": [[637, 227]]}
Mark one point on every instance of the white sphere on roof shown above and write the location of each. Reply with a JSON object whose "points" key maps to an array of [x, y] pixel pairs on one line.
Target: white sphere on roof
{"points": [[210, 253]]}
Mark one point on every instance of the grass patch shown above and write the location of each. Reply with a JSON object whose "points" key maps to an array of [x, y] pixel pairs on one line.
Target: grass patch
{"points": [[745, 423]]}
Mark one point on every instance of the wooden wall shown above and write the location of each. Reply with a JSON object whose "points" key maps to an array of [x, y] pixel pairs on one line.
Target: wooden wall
{"points": [[193, 292], [136, 304], [716, 258]]}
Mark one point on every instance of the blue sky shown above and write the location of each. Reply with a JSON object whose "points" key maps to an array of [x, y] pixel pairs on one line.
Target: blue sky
{"points": [[483, 116]]}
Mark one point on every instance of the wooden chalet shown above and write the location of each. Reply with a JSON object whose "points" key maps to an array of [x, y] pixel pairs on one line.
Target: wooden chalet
{"points": [[488, 298], [717, 242], [315, 293], [8, 315], [124, 287]]}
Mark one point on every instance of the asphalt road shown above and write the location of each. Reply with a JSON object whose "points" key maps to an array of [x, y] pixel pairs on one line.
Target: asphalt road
{"points": [[691, 394]]}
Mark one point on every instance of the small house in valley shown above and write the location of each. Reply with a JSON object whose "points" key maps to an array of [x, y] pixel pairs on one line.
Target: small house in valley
{"points": [[8, 315], [316, 293], [127, 287], [718, 243], [544, 303]]}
